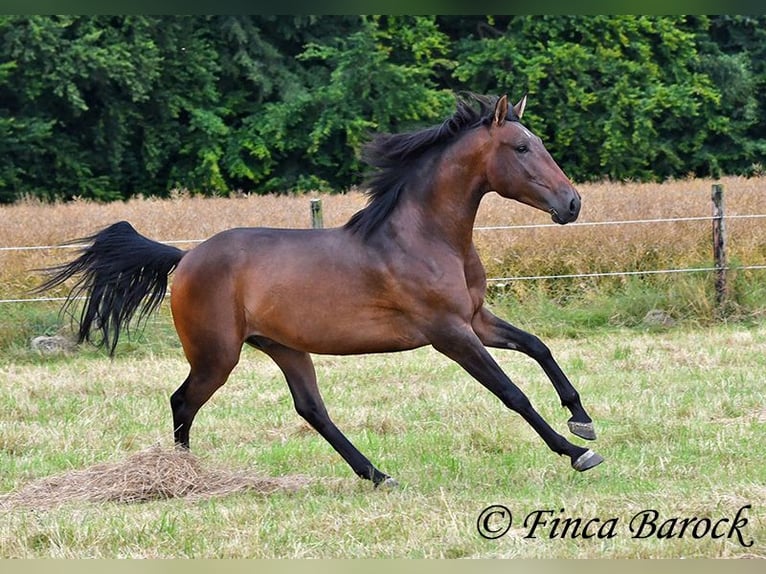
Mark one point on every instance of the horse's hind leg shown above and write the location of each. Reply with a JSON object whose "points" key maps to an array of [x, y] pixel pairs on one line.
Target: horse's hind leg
{"points": [[194, 392], [494, 332], [211, 363], [298, 369], [211, 337]]}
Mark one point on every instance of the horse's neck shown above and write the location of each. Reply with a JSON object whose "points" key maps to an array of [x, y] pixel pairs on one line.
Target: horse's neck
{"points": [[441, 205], [450, 204], [435, 216]]}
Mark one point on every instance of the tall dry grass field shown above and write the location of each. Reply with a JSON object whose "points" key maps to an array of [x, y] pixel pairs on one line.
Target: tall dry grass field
{"points": [[515, 252], [547, 250], [183, 217], [584, 249]]}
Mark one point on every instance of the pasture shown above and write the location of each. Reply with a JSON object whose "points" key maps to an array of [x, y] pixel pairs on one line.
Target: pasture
{"points": [[679, 410], [680, 417]]}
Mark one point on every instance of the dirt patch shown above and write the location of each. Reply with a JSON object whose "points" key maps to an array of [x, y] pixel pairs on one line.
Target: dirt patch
{"points": [[156, 473]]}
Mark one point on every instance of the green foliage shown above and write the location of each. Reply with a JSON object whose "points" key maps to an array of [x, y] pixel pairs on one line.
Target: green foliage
{"points": [[734, 56], [379, 78], [615, 97], [106, 107]]}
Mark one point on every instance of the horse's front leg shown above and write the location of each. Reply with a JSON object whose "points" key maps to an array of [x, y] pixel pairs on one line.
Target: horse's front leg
{"points": [[494, 332], [461, 344]]}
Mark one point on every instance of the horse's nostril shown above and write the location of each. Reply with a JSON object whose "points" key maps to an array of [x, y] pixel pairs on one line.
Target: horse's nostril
{"points": [[573, 206]]}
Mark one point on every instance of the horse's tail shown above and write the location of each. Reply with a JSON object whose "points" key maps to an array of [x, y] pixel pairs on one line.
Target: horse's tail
{"points": [[121, 272]]}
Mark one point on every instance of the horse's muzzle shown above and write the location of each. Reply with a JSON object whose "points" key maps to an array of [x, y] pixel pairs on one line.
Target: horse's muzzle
{"points": [[569, 209]]}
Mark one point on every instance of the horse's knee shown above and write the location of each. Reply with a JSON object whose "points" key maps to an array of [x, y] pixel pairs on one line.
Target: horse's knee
{"points": [[533, 346], [312, 411], [517, 401]]}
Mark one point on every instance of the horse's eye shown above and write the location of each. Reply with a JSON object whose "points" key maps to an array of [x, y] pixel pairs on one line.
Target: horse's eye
{"points": [[522, 148]]}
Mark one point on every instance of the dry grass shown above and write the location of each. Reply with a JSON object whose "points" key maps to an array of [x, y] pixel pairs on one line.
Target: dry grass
{"points": [[509, 252], [153, 474], [32, 223], [585, 249]]}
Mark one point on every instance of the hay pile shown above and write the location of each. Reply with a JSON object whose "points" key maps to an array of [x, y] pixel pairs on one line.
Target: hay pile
{"points": [[153, 474]]}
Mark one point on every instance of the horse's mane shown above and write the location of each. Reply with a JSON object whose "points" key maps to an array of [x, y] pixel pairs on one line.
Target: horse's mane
{"points": [[392, 158]]}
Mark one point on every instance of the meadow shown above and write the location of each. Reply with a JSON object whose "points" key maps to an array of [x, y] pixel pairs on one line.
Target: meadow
{"points": [[679, 408], [680, 417]]}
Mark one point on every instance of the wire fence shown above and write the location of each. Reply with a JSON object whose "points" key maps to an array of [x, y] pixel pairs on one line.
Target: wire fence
{"points": [[490, 228]]}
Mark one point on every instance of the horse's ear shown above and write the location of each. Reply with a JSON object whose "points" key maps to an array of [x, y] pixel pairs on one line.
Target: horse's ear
{"points": [[519, 108], [501, 111]]}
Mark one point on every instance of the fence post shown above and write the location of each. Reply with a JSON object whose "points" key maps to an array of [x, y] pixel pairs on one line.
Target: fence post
{"points": [[719, 245], [316, 214]]}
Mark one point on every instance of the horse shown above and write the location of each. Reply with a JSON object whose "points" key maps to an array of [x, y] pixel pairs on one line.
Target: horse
{"points": [[402, 273]]}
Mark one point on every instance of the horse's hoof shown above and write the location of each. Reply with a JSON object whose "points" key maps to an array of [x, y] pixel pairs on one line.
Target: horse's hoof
{"points": [[387, 484], [583, 430], [587, 460]]}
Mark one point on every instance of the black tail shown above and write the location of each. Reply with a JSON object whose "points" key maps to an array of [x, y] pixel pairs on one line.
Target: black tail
{"points": [[120, 272]]}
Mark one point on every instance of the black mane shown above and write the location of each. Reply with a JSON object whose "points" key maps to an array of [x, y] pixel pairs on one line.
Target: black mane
{"points": [[392, 158]]}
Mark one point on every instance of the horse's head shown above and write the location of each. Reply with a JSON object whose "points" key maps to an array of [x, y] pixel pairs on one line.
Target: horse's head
{"points": [[519, 167]]}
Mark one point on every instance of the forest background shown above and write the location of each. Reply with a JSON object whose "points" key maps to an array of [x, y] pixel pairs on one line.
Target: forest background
{"points": [[112, 107]]}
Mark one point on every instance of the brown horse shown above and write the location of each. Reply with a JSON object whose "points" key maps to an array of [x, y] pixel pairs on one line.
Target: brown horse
{"points": [[401, 274]]}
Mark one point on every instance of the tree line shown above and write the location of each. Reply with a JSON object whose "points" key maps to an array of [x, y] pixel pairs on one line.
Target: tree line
{"points": [[108, 107]]}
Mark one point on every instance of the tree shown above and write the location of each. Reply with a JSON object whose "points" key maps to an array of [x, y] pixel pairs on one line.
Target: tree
{"points": [[618, 97], [64, 92], [733, 55], [379, 77], [107, 107]]}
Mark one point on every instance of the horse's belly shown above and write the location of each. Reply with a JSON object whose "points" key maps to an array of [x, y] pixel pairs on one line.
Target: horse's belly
{"points": [[337, 327]]}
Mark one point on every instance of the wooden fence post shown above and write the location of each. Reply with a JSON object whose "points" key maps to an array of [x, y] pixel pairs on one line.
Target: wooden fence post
{"points": [[317, 221], [719, 245]]}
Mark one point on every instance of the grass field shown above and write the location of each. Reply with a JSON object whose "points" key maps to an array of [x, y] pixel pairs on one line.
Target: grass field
{"points": [[679, 410], [680, 415]]}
